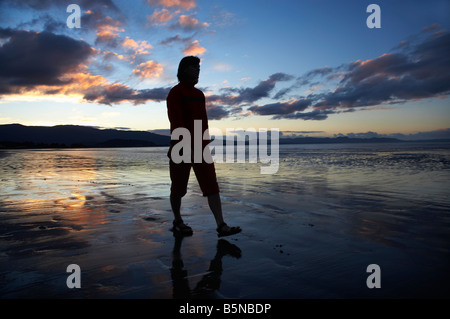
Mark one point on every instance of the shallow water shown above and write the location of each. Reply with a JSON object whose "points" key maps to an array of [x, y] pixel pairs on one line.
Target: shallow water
{"points": [[310, 230]]}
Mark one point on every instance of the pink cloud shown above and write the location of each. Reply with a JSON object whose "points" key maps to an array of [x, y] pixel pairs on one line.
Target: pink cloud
{"points": [[194, 48], [188, 22], [149, 69], [179, 4], [160, 17]]}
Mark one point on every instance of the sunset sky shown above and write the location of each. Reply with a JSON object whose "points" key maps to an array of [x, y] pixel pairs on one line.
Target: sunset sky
{"points": [[306, 67]]}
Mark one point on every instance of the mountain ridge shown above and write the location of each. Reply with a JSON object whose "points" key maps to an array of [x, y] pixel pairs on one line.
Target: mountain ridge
{"points": [[77, 136]]}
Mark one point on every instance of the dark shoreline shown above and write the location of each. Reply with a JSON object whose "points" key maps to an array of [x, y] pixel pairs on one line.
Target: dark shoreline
{"points": [[5, 145]]}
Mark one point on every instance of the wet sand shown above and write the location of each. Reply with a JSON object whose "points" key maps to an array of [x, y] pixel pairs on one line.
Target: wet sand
{"points": [[317, 245]]}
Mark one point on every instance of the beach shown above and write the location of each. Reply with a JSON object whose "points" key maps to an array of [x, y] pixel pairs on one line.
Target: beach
{"points": [[309, 231]]}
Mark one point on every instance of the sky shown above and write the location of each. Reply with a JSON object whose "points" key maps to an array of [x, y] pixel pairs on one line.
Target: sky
{"points": [[305, 67]]}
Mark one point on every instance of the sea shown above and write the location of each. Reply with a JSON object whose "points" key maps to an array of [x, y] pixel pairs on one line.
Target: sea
{"points": [[309, 230]]}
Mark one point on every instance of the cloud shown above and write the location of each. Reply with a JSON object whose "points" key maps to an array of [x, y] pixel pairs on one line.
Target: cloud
{"points": [[419, 72], [94, 15], [160, 17], [171, 10], [46, 64], [287, 134], [415, 70], [222, 67], [175, 4], [108, 30], [428, 135], [176, 39], [48, 24], [42, 64], [101, 15], [236, 96], [282, 93], [191, 47], [262, 90], [138, 46], [319, 71], [217, 112], [31, 58], [135, 49], [46, 4], [315, 115], [117, 93], [149, 69], [189, 23], [233, 100], [281, 108], [194, 48]]}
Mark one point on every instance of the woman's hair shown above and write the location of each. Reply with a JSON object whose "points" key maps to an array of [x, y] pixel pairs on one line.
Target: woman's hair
{"points": [[184, 63]]}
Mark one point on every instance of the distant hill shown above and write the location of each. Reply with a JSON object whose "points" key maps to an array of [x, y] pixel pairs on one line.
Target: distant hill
{"points": [[340, 139], [21, 136], [60, 136]]}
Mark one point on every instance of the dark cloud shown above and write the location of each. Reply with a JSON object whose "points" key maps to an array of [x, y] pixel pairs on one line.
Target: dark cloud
{"points": [[102, 16], [292, 133], [429, 135], [217, 112], [232, 100], [30, 58], [262, 90], [237, 96], [118, 93], [281, 108], [421, 71], [155, 94], [310, 77], [51, 64], [319, 71], [47, 23], [176, 39], [315, 115], [46, 4], [415, 70], [104, 96], [282, 93]]}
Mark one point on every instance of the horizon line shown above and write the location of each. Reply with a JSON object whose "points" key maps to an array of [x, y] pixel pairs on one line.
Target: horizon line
{"points": [[417, 136]]}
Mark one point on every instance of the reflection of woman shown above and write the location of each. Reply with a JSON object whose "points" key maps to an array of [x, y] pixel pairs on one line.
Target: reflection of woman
{"points": [[185, 104], [210, 282]]}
